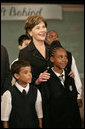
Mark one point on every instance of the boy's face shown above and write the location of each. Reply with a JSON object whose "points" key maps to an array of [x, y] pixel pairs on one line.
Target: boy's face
{"points": [[25, 76], [24, 44], [59, 58]]}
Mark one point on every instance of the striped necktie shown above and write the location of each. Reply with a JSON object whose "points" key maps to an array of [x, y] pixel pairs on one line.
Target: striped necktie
{"points": [[62, 78]]}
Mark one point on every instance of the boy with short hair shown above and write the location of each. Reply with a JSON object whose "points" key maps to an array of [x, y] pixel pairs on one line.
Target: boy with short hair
{"points": [[20, 110], [23, 41]]}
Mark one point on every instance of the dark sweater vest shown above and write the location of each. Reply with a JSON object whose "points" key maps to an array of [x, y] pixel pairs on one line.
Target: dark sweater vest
{"points": [[63, 107], [23, 114], [60, 102]]}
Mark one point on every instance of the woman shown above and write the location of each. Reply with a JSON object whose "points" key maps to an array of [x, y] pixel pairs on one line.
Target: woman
{"points": [[37, 51]]}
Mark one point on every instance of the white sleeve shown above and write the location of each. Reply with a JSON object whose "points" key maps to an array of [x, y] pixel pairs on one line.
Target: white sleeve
{"points": [[76, 78], [38, 105], [6, 106]]}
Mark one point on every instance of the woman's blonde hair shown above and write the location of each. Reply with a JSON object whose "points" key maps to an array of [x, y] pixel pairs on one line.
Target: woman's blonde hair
{"points": [[33, 21]]}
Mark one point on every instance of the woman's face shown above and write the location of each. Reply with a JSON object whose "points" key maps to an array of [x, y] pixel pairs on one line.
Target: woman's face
{"points": [[39, 32]]}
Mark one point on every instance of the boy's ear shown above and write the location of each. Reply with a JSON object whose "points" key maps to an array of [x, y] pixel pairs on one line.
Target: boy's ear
{"points": [[16, 75], [52, 59]]}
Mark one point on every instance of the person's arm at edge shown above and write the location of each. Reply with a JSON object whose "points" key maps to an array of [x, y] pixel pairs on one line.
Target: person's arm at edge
{"points": [[5, 108], [5, 124], [77, 81], [40, 122], [38, 106]]}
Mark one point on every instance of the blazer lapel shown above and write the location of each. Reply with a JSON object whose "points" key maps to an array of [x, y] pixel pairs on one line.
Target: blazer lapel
{"points": [[36, 53], [56, 77]]}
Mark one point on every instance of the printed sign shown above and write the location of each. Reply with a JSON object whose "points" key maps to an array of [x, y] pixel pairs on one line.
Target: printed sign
{"points": [[21, 12]]}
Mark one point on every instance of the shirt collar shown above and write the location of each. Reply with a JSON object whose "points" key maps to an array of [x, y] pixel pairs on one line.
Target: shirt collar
{"points": [[20, 88], [63, 73]]}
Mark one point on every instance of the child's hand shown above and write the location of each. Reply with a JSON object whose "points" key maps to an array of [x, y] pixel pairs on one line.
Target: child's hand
{"points": [[43, 77]]}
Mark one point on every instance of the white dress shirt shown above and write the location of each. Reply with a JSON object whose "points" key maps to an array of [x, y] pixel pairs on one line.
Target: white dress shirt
{"points": [[60, 75], [76, 78], [6, 105]]}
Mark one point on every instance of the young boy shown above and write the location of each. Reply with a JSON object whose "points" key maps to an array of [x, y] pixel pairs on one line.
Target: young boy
{"points": [[23, 41], [20, 110], [61, 102]]}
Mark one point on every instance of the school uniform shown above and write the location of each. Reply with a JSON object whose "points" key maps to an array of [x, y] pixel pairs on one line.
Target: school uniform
{"points": [[22, 111], [61, 102], [71, 66]]}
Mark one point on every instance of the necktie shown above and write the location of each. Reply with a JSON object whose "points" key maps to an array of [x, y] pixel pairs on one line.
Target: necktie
{"points": [[61, 78], [24, 92]]}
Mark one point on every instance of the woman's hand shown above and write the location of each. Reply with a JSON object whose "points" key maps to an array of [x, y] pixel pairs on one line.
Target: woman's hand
{"points": [[71, 74], [43, 77]]}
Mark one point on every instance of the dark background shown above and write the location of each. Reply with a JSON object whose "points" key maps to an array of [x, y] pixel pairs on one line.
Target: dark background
{"points": [[47, 1]]}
